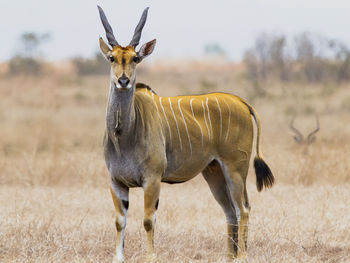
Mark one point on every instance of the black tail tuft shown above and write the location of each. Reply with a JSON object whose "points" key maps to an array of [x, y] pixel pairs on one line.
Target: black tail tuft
{"points": [[264, 177]]}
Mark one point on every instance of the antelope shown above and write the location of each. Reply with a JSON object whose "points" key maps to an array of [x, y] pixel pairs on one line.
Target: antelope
{"points": [[151, 139], [299, 137]]}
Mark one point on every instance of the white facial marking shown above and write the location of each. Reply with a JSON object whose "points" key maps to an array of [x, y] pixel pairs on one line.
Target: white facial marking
{"points": [[177, 126], [211, 128], [205, 119], [166, 119], [129, 86], [220, 116], [183, 118], [197, 121], [229, 120]]}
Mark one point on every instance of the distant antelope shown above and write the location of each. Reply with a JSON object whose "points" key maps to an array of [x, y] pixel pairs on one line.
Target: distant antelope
{"points": [[300, 139], [151, 139]]}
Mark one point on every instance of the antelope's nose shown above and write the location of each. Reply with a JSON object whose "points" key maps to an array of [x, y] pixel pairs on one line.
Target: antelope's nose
{"points": [[123, 81]]}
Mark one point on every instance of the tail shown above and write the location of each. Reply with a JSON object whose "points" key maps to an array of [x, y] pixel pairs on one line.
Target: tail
{"points": [[264, 176]]}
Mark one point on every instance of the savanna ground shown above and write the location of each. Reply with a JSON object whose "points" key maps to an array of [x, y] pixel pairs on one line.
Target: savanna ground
{"points": [[54, 200]]}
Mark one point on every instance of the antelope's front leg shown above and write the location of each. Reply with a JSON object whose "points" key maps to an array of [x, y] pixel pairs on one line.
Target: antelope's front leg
{"points": [[151, 200], [120, 197]]}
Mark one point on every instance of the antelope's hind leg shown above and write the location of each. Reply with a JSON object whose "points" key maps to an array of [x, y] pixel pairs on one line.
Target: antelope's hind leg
{"points": [[235, 175], [219, 188], [120, 195]]}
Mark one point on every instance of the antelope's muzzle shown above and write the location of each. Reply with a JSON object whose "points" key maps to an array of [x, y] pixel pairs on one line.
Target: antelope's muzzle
{"points": [[124, 83]]}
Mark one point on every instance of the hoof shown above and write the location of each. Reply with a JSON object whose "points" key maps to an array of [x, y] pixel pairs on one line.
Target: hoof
{"points": [[116, 260], [241, 257], [231, 257], [151, 258]]}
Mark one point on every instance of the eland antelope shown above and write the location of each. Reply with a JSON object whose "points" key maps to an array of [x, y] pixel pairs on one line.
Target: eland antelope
{"points": [[299, 138], [151, 139]]}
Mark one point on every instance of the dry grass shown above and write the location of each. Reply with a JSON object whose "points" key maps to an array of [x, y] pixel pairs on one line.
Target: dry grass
{"points": [[54, 199], [287, 224]]}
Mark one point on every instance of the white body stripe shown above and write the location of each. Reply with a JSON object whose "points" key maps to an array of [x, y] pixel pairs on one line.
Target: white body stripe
{"points": [[160, 118], [220, 116], [161, 105], [183, 118], [231, 190], [205, 119], [197, 121], [229, 120], [177, 126], [211, 127]]}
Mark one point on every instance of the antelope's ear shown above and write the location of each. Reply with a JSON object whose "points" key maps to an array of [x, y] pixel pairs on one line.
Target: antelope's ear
{"points": [[104, 47], [146, 49]]}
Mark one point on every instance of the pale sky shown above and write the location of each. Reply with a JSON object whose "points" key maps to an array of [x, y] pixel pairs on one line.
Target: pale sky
{"points": [[182, 27]]}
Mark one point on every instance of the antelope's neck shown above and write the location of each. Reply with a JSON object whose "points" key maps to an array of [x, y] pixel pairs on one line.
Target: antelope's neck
{"points": [[120, 118]]}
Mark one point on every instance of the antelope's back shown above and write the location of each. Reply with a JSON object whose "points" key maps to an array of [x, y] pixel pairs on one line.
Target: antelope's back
{"points": [[210, 119]]}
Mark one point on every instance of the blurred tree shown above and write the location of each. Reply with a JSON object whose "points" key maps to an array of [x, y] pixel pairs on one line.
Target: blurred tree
{"points": [[304, 47], [97, 65], [310, 58], [267, 59], [30, 42], [27, 61], [214, 49], [342, 54]]}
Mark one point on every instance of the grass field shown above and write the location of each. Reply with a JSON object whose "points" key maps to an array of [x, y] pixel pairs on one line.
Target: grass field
{"points": [[54, 199], [75, 224]]}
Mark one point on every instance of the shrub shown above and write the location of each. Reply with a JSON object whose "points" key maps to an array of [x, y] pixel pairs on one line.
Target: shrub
{"points": [[91, 66], [308, 58], [20, 65]]}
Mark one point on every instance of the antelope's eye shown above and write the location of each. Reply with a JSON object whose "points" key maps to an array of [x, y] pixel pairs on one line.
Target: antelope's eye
{"points": [[111, 59], [136, 59]]}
